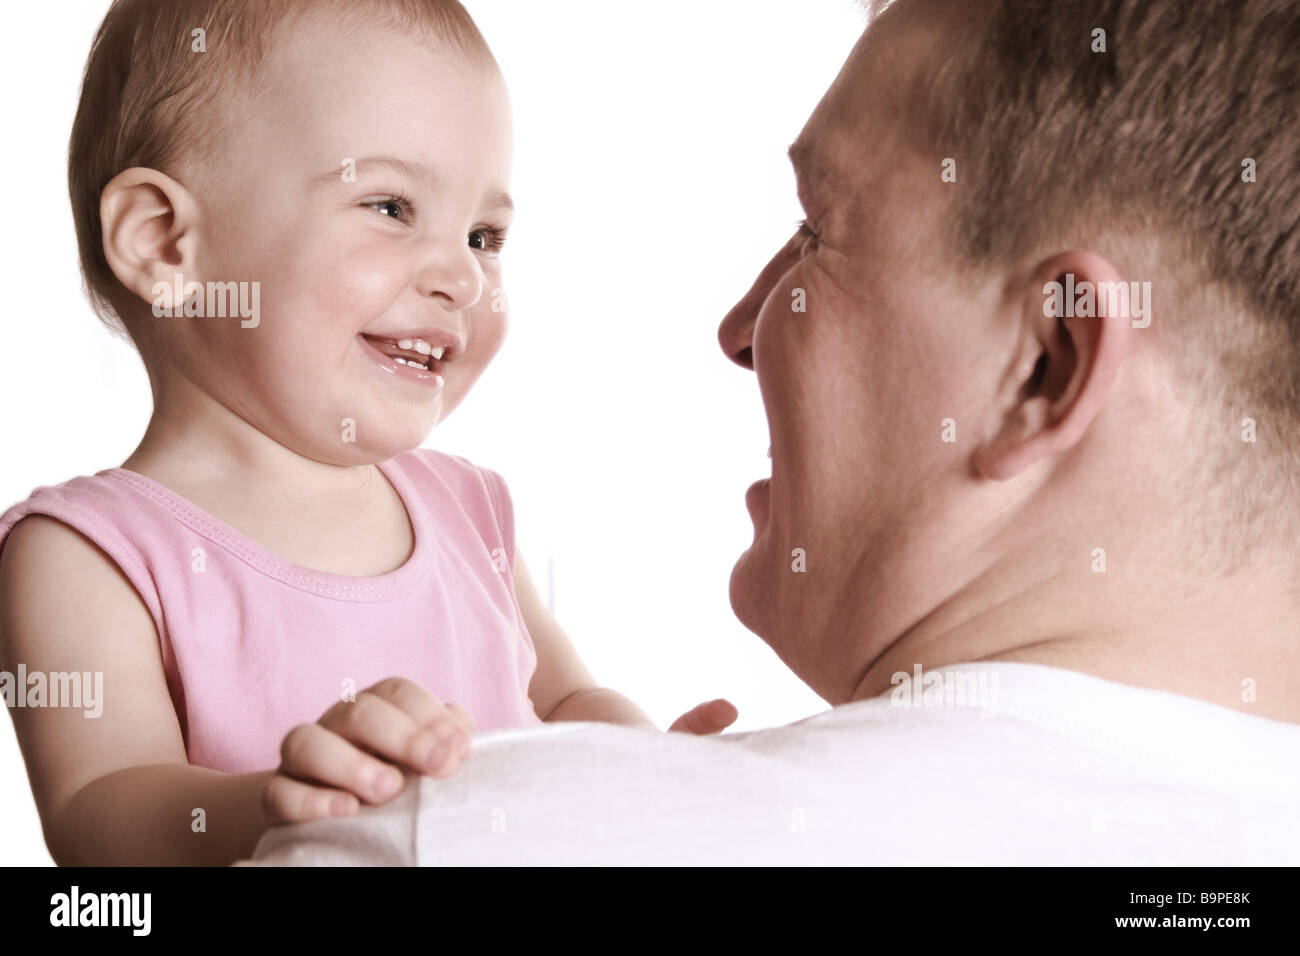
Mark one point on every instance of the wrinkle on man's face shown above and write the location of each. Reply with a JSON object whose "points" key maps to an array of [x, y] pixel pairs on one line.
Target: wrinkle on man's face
{"points": [[854, 386]]}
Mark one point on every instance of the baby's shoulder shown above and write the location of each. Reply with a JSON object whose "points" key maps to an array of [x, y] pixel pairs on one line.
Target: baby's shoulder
{"points": [[452, 486], [51, 572], [440, 473], [36, 546], [83, 535], [441, 463], [97, 506]]}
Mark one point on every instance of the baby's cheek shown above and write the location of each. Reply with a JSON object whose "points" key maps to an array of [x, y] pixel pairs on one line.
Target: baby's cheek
{"points": [[354, 293], [486, 332]]}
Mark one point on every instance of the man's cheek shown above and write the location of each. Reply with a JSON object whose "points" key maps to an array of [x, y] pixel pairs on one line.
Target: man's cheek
{"points": [[782, 321]]}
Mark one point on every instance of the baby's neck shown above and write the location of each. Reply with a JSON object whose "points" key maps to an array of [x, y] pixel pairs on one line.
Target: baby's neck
{"points": [[341, 519]]}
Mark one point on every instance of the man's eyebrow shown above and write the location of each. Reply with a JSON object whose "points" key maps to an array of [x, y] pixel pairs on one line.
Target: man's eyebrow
{"points": [[798, 153], [811, 167], [419, 173]]}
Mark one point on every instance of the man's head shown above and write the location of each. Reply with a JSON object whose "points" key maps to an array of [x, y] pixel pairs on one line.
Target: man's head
{"points": [[934, 422], [347, 161]]}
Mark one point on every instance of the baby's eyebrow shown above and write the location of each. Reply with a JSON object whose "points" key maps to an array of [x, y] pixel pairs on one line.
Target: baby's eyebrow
{"points": [[419, 173]]}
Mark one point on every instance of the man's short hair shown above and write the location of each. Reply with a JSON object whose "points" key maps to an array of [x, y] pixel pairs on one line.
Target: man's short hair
{"points": [[1146, 121]]}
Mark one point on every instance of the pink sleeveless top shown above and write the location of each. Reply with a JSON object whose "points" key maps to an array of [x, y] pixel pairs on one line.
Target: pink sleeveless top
{"points": [[253, 645]]}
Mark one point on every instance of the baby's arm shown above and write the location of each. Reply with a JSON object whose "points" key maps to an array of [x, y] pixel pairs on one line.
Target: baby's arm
{"points": [[563, 689], [116, 789]]}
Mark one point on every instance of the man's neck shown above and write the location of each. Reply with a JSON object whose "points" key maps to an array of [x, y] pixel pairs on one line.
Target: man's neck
{"points": [[1232, 641]]}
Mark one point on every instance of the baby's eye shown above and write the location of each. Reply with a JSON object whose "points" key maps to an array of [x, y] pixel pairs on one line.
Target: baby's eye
{"points": [[394, 207], [487, 240]]}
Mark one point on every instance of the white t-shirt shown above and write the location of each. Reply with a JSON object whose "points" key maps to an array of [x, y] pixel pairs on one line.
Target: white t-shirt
{"points": [[1041, 766]]}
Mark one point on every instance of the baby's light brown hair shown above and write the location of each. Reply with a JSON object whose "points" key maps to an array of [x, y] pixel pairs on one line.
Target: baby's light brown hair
{"points": [[158, 69]]}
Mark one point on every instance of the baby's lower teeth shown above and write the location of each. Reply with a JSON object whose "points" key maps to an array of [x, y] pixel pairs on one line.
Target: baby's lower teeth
{"points": [[412, 362]]}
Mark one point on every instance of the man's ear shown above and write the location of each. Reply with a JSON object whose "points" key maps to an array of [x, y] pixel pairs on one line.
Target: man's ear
{"points": [[150, 225], [1074, 338]]}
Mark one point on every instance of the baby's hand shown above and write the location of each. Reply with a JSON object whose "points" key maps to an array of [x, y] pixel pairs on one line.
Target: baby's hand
{"points": [[359, 749], [710, 717]]}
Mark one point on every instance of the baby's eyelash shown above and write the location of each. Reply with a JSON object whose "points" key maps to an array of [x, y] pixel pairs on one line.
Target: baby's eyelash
{"points": [[408, 212], [805, 230], [495, 238]]}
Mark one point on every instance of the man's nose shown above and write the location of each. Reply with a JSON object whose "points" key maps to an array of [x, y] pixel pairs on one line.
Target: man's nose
{"points": [[736, 333]]}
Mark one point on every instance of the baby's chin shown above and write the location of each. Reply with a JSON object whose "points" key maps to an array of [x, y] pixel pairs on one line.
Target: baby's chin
{"points": [[363, 419], [364, 438], [356, 453]]}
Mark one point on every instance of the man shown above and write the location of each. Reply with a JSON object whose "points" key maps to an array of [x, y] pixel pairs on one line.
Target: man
{"points": [[1030, 369]]}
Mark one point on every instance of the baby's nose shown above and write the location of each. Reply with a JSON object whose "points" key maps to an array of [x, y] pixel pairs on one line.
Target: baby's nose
{"points": [[453, 277]]}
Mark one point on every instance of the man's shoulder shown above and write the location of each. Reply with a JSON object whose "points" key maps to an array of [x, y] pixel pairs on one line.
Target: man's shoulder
{"points": [[1051, 766], [1041, 776]]}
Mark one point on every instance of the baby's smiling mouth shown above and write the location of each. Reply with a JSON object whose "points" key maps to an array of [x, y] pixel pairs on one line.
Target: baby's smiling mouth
{"points": [[412, 352]]}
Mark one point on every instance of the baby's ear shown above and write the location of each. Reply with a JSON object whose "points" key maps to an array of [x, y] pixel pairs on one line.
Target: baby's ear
{"points": [[1073, 341], [150, 227]]}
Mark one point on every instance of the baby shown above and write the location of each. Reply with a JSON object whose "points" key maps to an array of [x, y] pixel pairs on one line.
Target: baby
{"points": [[295, 211]]}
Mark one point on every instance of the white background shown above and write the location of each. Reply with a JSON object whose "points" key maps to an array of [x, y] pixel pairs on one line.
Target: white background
{"points": [[652, 186]]}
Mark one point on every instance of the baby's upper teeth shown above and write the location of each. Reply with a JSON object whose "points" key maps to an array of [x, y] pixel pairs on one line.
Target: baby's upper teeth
{"points": [[422, 347]]}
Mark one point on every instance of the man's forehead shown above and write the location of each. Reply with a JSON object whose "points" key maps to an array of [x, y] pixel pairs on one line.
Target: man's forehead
{"points": [[839, 150], [861, 121]]}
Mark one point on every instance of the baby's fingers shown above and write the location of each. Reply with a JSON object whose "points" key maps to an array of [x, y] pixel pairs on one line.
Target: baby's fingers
{"points": [[450, 722], [711, 717], [373, 723], [314, 754], [285, 800], [412, 699], [462, 717]]}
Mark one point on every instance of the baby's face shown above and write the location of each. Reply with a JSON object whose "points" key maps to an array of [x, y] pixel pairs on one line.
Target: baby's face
{"points": [[368, 196]]}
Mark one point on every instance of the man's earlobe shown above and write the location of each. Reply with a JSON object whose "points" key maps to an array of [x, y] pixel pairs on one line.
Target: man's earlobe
{"points": [[1074, 337], [149, 226]]}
